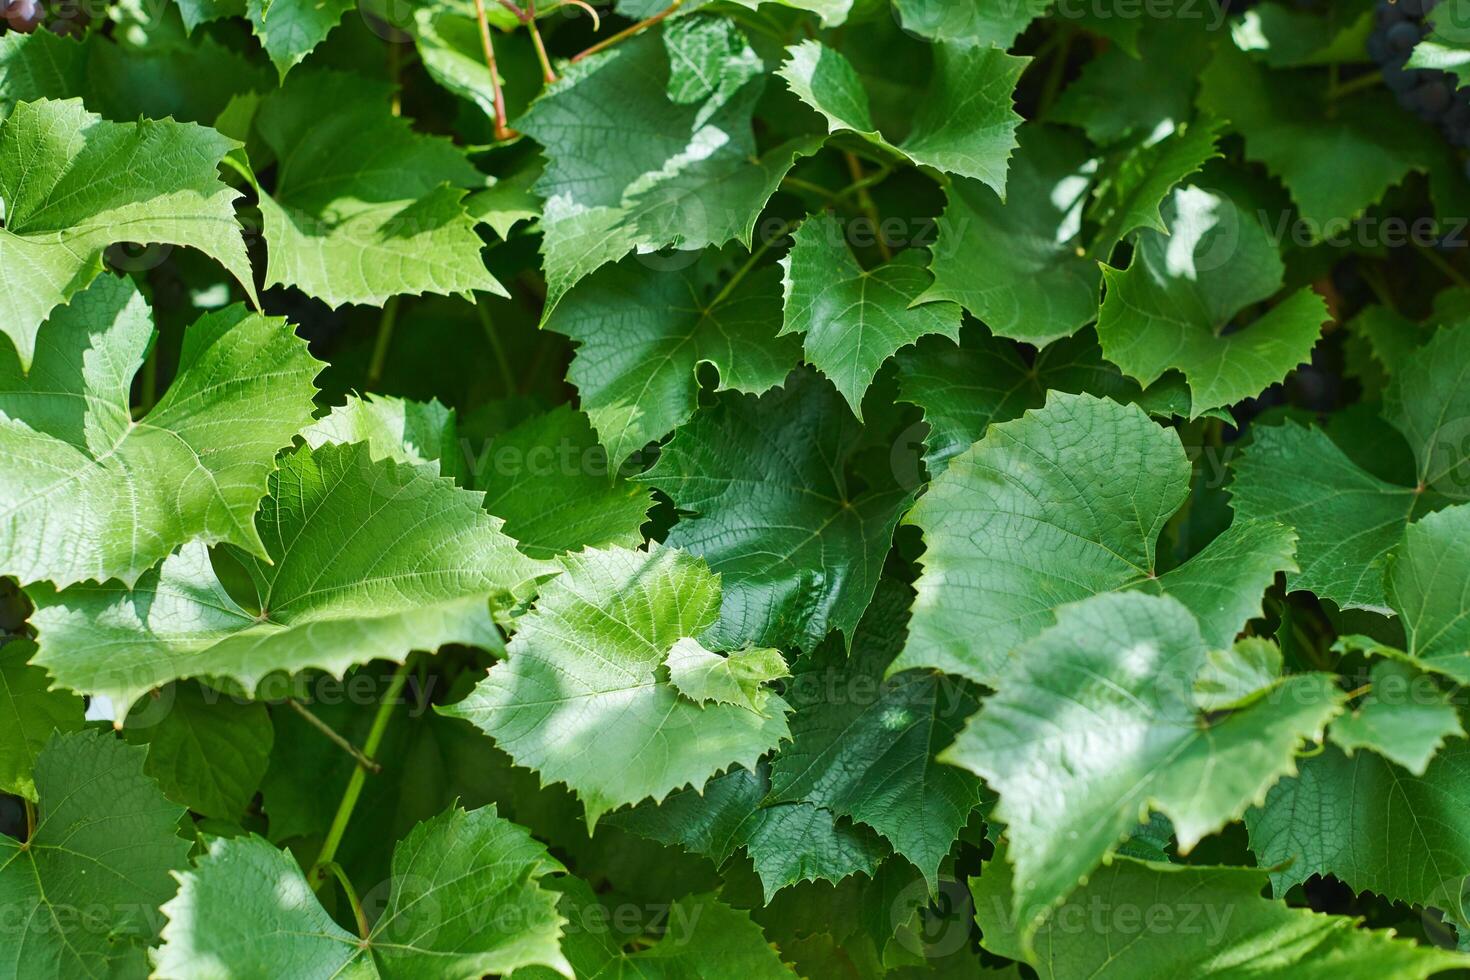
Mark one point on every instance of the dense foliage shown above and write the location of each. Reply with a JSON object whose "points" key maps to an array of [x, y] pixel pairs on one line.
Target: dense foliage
{"points": [[734, 489]]}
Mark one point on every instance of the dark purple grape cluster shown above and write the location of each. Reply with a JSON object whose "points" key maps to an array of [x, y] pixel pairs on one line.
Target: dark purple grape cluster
{"points": [[1431, 95], [22, 15]]}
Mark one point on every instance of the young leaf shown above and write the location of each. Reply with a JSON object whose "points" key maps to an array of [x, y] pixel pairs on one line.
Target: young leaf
{"points": [[969, 21], [1171, 308], [1405, 718], [965, 125], [86, 492], [363, 208], [770, 506], [1233, 678], [72, 184], [29, 715], [587, 659], [1426, 587], [642, 334], [854, 319], [343, 582], [416, 433], [1061, 504], [83, 889], [1094, 723], [739, 678]]}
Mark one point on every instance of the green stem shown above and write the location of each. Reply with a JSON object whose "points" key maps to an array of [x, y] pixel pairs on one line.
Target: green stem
{"points": [[355, 782], [797, 184], [1055, 73], [386, 324], [351, 893], [150, 380], [30, 819], [530, 20], [1439, 262], [507, 376], [870, 210], [637, 28], [1369, 80], [333, 736], [744, 270], [502, 131]]}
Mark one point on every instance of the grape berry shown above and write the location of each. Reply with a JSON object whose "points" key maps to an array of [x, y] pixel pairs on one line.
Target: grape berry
{"points": [[22, 15], [1430, 94]]}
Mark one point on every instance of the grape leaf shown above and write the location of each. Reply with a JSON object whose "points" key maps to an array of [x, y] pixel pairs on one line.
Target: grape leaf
{"points": [[1348, 519], [669, 174], [863, 746], [963, 390], [206, 750], [1372, 825], [964, 126], [587, 659], [712, 822], [86, 492], [769, 504], [1014, 263], [1137, 180], [704, 938], [83, 888], [1061, 504], [1335, 159], [416, 433], [1176, 921], [290, 29], [1405, 718], [1094, 724], [854, 319], [642, 334], [1285, 36], [1172, 307], [1447, 45], [365, 559], [970, 21], [739, 678], [363, 208], [554, 486], [1427, 579], [466, 898], [29, 715], [1233, 678], [72, 184]]}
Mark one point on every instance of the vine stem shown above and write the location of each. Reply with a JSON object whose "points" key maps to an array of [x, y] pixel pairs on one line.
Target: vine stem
{"points": [[384, 340], [351, 893], [530, 21], [502, 131], [355, 782], [332, 735], [628, 32], [1369, 80], [30, 819], [865, 201], [507, 375]]}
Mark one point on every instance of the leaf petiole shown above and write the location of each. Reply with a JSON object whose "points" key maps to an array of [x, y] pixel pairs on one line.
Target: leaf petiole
{"points": [[628, 32], [351, 893], [333, 736]]}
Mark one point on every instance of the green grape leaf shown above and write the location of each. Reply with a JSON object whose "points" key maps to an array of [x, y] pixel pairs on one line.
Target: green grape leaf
{"points": [[1335, 158], [962, 390], [587, 659], [643, 333], [1447, 45], [1426, 579], [863, 746], [794, 842], [739, 678], [29, 715], [1234, 677], [1285, 36], [83, 889], [206, 750], [712, 822], [416, 433], [964, 126], [466, 898], [1348, 519], [72, 184], [676, 174], [343, 583], [1172, 307], [1061, 504], [363, 208], [1136, 181], [1372, 825], [1140, 918], [969, 21], [87, 492], [768, 503], [290, 29], [553, 485], [1094, 724], [1405, 718], [704, 937], [852, 320], [1015, 263]]}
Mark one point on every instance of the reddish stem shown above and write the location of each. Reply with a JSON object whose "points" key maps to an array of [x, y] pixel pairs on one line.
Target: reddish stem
{"points": [[626, 33]]}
